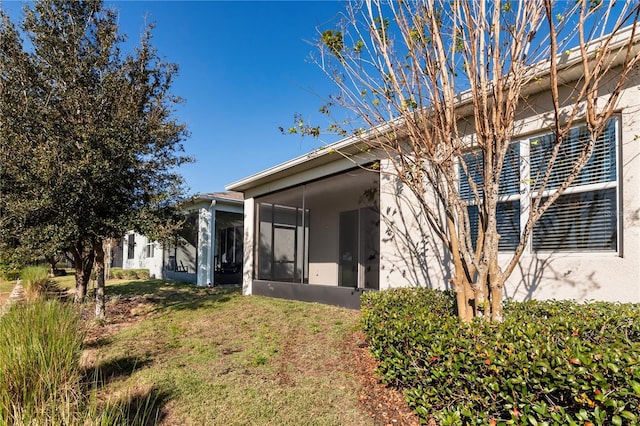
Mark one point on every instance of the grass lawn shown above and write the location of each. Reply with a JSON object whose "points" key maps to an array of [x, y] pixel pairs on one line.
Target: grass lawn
{"points": [[220, 358]]}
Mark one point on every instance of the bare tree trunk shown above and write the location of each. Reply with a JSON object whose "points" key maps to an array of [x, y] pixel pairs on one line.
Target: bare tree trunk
{"points": [[465, 298], [100, 303], [496, 303], [52, 261], [82, 263]]}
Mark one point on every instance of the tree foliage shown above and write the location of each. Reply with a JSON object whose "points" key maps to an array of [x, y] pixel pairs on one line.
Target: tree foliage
{"points": [[438, 80], [88, 143]]}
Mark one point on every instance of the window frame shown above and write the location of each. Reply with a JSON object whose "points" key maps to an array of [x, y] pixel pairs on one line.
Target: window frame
{"points": [[527, 192], [131, 246], [577, 189], [149, 250]]}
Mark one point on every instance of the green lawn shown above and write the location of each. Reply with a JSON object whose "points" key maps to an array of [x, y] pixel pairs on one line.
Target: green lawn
{"points": [[220, 358]]}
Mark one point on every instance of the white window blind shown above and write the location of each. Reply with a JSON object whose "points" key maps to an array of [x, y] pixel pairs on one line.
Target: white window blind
{"points": [[585, 219], [579, 222], [601, 167], [509, 178]]}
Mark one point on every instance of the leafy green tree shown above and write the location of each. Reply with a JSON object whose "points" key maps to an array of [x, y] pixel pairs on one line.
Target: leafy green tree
{"points": [[419, 74], [89, 146]]}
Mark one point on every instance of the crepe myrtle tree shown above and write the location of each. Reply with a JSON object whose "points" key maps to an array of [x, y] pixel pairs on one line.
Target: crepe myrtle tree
{"points": [[417, 75], [88, 142]]}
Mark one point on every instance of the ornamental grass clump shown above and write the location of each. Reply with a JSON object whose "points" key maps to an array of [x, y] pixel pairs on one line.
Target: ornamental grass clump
{"points": [[41, 382], [548, 362], [36, 281], [40, 347]]}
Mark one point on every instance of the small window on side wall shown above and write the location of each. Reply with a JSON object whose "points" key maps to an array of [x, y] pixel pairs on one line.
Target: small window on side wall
{"points": [[131, 246]]}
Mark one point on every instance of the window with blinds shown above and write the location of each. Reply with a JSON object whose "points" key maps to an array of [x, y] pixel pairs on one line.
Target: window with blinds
{"points": [[508, 218], [585, 221], [509, 178], [508, 212], [601, 167], [584, 218]]}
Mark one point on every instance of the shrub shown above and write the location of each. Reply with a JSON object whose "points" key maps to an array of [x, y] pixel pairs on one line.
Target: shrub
{"points": [[128, 274], [9, 272], [143, 274], [35, 280], [59, 272], [115, 274], [553, 362]]}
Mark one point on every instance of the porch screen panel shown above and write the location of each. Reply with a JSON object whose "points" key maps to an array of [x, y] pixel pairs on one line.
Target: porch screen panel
{"points": [[265, 214], [348, 249], [282, 247], [284, 253]]}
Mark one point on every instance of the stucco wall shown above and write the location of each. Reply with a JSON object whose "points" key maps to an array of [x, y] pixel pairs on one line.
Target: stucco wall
{"points": [[249, 253], [140, 260]]}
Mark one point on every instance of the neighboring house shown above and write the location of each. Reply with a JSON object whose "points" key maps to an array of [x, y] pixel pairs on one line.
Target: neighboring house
{"points": [[198, 255], [320, 228]]}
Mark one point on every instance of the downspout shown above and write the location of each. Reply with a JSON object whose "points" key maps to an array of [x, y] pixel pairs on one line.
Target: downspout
{"points": [[212, 241]]}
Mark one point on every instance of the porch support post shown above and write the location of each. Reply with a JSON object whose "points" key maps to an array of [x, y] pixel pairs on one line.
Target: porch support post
{"points": [[203, 265], [250, 242]]}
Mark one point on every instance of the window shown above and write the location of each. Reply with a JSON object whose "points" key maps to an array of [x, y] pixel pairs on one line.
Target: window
{"points": [[131, 246], [584, 218], [149, 250], [508, 210]]}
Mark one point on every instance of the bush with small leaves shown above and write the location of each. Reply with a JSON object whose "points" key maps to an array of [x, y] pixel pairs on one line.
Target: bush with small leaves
{"points": [[548, 362]]}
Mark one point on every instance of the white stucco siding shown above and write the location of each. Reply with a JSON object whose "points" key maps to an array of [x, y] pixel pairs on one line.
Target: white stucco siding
{"points": [[205, 227], [249, 238], [140, 259], [410, 254]]}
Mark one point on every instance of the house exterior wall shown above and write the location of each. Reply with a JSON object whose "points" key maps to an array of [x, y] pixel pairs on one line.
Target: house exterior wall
{"points": [[412, 256], [192, 263], [140, 258]]}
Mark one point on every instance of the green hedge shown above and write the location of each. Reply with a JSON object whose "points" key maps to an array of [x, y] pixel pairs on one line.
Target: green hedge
{"points": [[128, 274], [553, 362]]}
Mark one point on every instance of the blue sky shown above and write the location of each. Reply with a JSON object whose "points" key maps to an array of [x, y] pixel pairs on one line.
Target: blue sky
{"points": [[244, 71]]}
